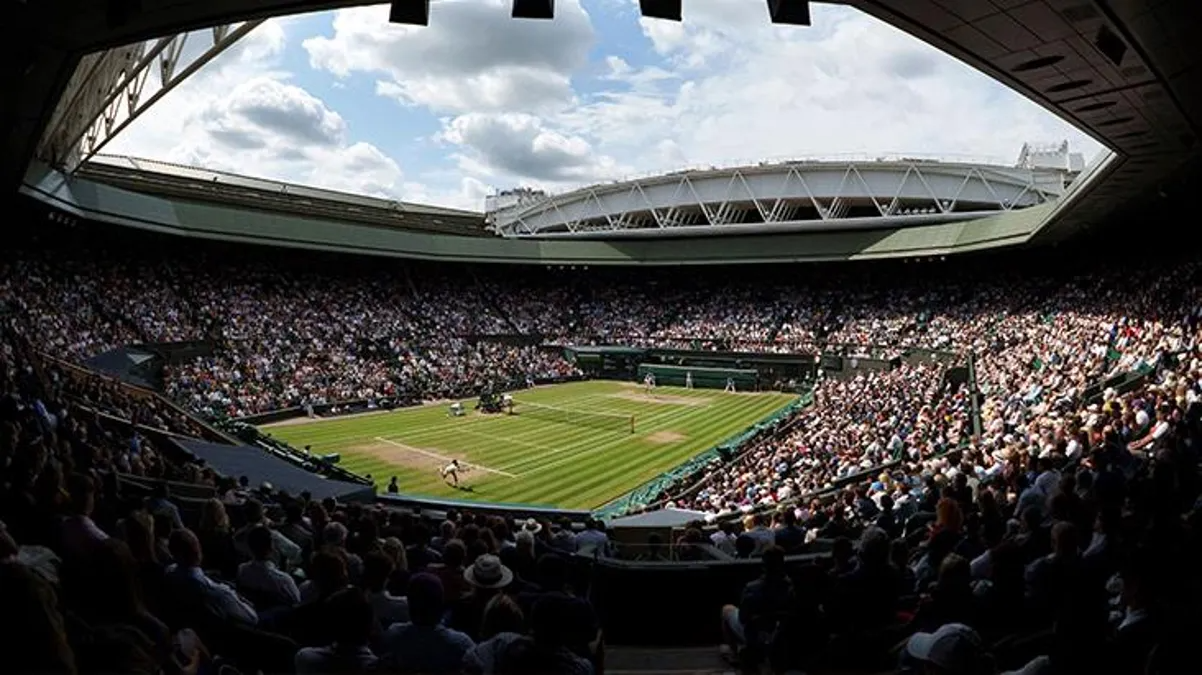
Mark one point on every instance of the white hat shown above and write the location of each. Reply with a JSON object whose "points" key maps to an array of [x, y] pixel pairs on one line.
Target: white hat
{"points": [[955, 648], [488, 572]]}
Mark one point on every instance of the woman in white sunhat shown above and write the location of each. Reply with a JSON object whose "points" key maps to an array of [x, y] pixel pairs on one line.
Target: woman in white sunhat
{"points": [[532, 526], [954, 649], [488, 577], [488, 573]]}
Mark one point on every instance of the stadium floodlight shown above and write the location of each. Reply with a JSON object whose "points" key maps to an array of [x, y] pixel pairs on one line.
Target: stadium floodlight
{"points": [[668, 10], [410, 12], [534, 9], [790, 12]]}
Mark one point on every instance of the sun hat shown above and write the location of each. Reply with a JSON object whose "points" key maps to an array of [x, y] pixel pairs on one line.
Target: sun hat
{"points": [[532, 526], [488, 572], [955, 648]]}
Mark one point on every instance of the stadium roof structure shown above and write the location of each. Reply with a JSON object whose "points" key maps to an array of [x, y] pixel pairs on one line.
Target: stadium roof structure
{"points": [[204, 185], [1123, 72], [795, 196]]}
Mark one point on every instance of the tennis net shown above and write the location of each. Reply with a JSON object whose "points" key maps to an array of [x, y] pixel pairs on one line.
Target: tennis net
{"points": [[583, 418]]}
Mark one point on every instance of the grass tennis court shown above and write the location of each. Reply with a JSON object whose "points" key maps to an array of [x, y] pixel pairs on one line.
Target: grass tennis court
{"points": [[519, 459]]}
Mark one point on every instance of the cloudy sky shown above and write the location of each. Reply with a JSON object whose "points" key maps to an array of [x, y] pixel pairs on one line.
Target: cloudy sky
{"points": [[477, 101]]}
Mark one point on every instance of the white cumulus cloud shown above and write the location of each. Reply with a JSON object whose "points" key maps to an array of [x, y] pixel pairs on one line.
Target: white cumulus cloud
{"points": [[471, 57], [596, 94]]}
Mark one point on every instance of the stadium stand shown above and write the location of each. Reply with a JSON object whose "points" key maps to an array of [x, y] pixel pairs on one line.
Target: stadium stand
{"points": [[997, 470], [1064, 532]]}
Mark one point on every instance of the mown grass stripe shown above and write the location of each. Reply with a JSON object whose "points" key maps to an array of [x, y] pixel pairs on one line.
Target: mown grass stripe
{"points": [[620, 440], [603, 480], [652, 465], [558, 464]]}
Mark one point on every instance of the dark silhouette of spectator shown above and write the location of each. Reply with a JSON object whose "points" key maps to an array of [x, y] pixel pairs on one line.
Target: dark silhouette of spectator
{"points": [[388, 608], [424, 645], [259, 579], [764, 603], [217, 539], [192, 596], [354, 625], [37, 643], [547, 650], [790, 536], [503, 624], [866, 597]]}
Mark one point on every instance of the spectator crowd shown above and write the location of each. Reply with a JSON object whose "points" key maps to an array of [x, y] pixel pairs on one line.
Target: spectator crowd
{"points": [[1029, 502], [102, 572]]}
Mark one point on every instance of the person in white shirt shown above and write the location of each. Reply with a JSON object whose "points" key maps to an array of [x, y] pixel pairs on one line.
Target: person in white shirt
{"points": [[757, 528], [79, 534], [1158, 431], [724, 538], [286, 553], [388, 608], [593, 540], [260, 579], [450, 473], [424, 644], [186, 578], [1142, 418]]}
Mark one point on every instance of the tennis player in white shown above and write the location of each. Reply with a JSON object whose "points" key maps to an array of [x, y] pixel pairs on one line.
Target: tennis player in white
{"points": [[450, 473], [648, 383]]}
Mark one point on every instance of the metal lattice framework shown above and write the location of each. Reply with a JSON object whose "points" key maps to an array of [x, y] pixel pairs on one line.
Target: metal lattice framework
{"points": [[810, 196], [110, 89]]}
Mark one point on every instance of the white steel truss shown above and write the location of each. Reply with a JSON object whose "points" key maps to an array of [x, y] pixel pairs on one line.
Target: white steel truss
{"points": [[614, 208], [110, 89]]}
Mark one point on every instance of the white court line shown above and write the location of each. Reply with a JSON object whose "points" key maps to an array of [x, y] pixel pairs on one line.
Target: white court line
{"points": [[681, 410], [625, 437], [459, 427], [444, 458], [472, 419], [450, 423], [510, 439], [588, 451], [443, 428], [561, 403]]}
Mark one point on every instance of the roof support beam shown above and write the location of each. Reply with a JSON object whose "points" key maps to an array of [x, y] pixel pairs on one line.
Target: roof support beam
{"points": [[111, 89]]}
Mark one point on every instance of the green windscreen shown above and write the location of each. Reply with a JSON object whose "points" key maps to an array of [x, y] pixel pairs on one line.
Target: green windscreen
{"points": [[744, 379]]}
